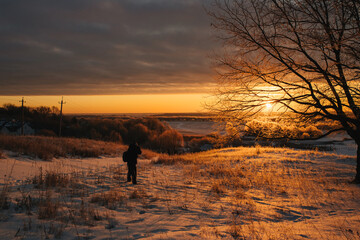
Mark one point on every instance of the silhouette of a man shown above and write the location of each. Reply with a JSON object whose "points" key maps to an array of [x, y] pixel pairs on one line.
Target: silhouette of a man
{"points": [[133, 152]]}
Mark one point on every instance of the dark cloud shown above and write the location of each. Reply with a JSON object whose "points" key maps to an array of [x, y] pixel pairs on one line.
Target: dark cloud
{"points": [[104, 46]]}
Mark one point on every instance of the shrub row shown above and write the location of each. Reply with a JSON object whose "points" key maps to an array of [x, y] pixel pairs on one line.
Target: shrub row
{"points": [[148, 132], [47, 148]]}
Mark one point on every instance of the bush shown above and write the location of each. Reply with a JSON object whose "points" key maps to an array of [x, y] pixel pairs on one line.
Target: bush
{"points": [[277, 130], [195, 144], [170, 141], [138, 133], [51, 179], [154, 124], [115, 137]]}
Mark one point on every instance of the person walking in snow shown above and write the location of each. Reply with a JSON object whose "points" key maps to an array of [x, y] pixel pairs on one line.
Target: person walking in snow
{"points": [[130, 157]]}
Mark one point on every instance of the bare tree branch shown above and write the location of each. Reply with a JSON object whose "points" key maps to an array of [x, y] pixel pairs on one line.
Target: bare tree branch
{"points": [[302, 56]]}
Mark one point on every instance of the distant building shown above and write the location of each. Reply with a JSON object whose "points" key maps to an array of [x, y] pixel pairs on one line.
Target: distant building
{"points": [[2, 129], [14, 128]]}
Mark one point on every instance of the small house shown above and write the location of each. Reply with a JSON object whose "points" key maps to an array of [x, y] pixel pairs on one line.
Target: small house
{"points": [[14, 128]]}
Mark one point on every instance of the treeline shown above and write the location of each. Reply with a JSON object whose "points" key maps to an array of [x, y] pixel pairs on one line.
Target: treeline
{"points": [[41, 118], [148, 132]]}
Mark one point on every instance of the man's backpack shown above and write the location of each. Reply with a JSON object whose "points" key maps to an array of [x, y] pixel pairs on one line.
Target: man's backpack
{"points": [[125, 156]]}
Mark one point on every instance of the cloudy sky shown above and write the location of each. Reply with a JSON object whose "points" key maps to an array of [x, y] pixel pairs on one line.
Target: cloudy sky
{"points": [[105, 47]]}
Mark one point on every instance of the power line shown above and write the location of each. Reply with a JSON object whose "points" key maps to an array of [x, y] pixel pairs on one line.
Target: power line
{"points": [[22, 115], [61, 108]]}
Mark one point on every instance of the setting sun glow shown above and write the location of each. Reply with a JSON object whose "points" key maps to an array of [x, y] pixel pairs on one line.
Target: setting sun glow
{"points": [[156, 103], [268, 105]]}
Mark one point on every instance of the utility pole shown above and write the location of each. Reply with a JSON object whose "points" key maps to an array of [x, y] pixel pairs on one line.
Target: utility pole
{"points": [[61, 107], [22, 115]]}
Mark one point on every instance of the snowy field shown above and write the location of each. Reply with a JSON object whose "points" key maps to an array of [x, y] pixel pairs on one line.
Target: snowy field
{"points": [[233, 193]]}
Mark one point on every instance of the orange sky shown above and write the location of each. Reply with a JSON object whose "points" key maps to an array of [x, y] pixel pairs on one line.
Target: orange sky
{"points": [[167, 103]]}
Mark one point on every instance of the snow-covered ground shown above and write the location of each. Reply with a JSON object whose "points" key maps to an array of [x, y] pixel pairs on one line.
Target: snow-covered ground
{"points": [[339, 142], [241, 193]]}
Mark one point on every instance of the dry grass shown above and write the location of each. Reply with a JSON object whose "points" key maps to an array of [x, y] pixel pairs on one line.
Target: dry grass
{"points": [[51, 179], [281, 178], [240, 193], [4, 197], [170, 159], [138, 194], [4, 194], [47, 148], [48, 207], [271, 169], [110, 199], [149, 154]]}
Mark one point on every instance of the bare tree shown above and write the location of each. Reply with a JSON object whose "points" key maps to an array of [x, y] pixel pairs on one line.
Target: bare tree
{"points": [[301, 55]]}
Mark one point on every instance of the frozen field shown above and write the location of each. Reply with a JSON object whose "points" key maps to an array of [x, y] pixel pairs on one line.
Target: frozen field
{"points": [[233, 193]]}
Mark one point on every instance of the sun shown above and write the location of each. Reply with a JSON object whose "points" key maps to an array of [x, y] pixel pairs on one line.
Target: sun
{"points": [[268, 105]]}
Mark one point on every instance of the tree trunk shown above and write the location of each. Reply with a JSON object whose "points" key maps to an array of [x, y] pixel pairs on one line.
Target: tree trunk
{"points": [[357, 177]]}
